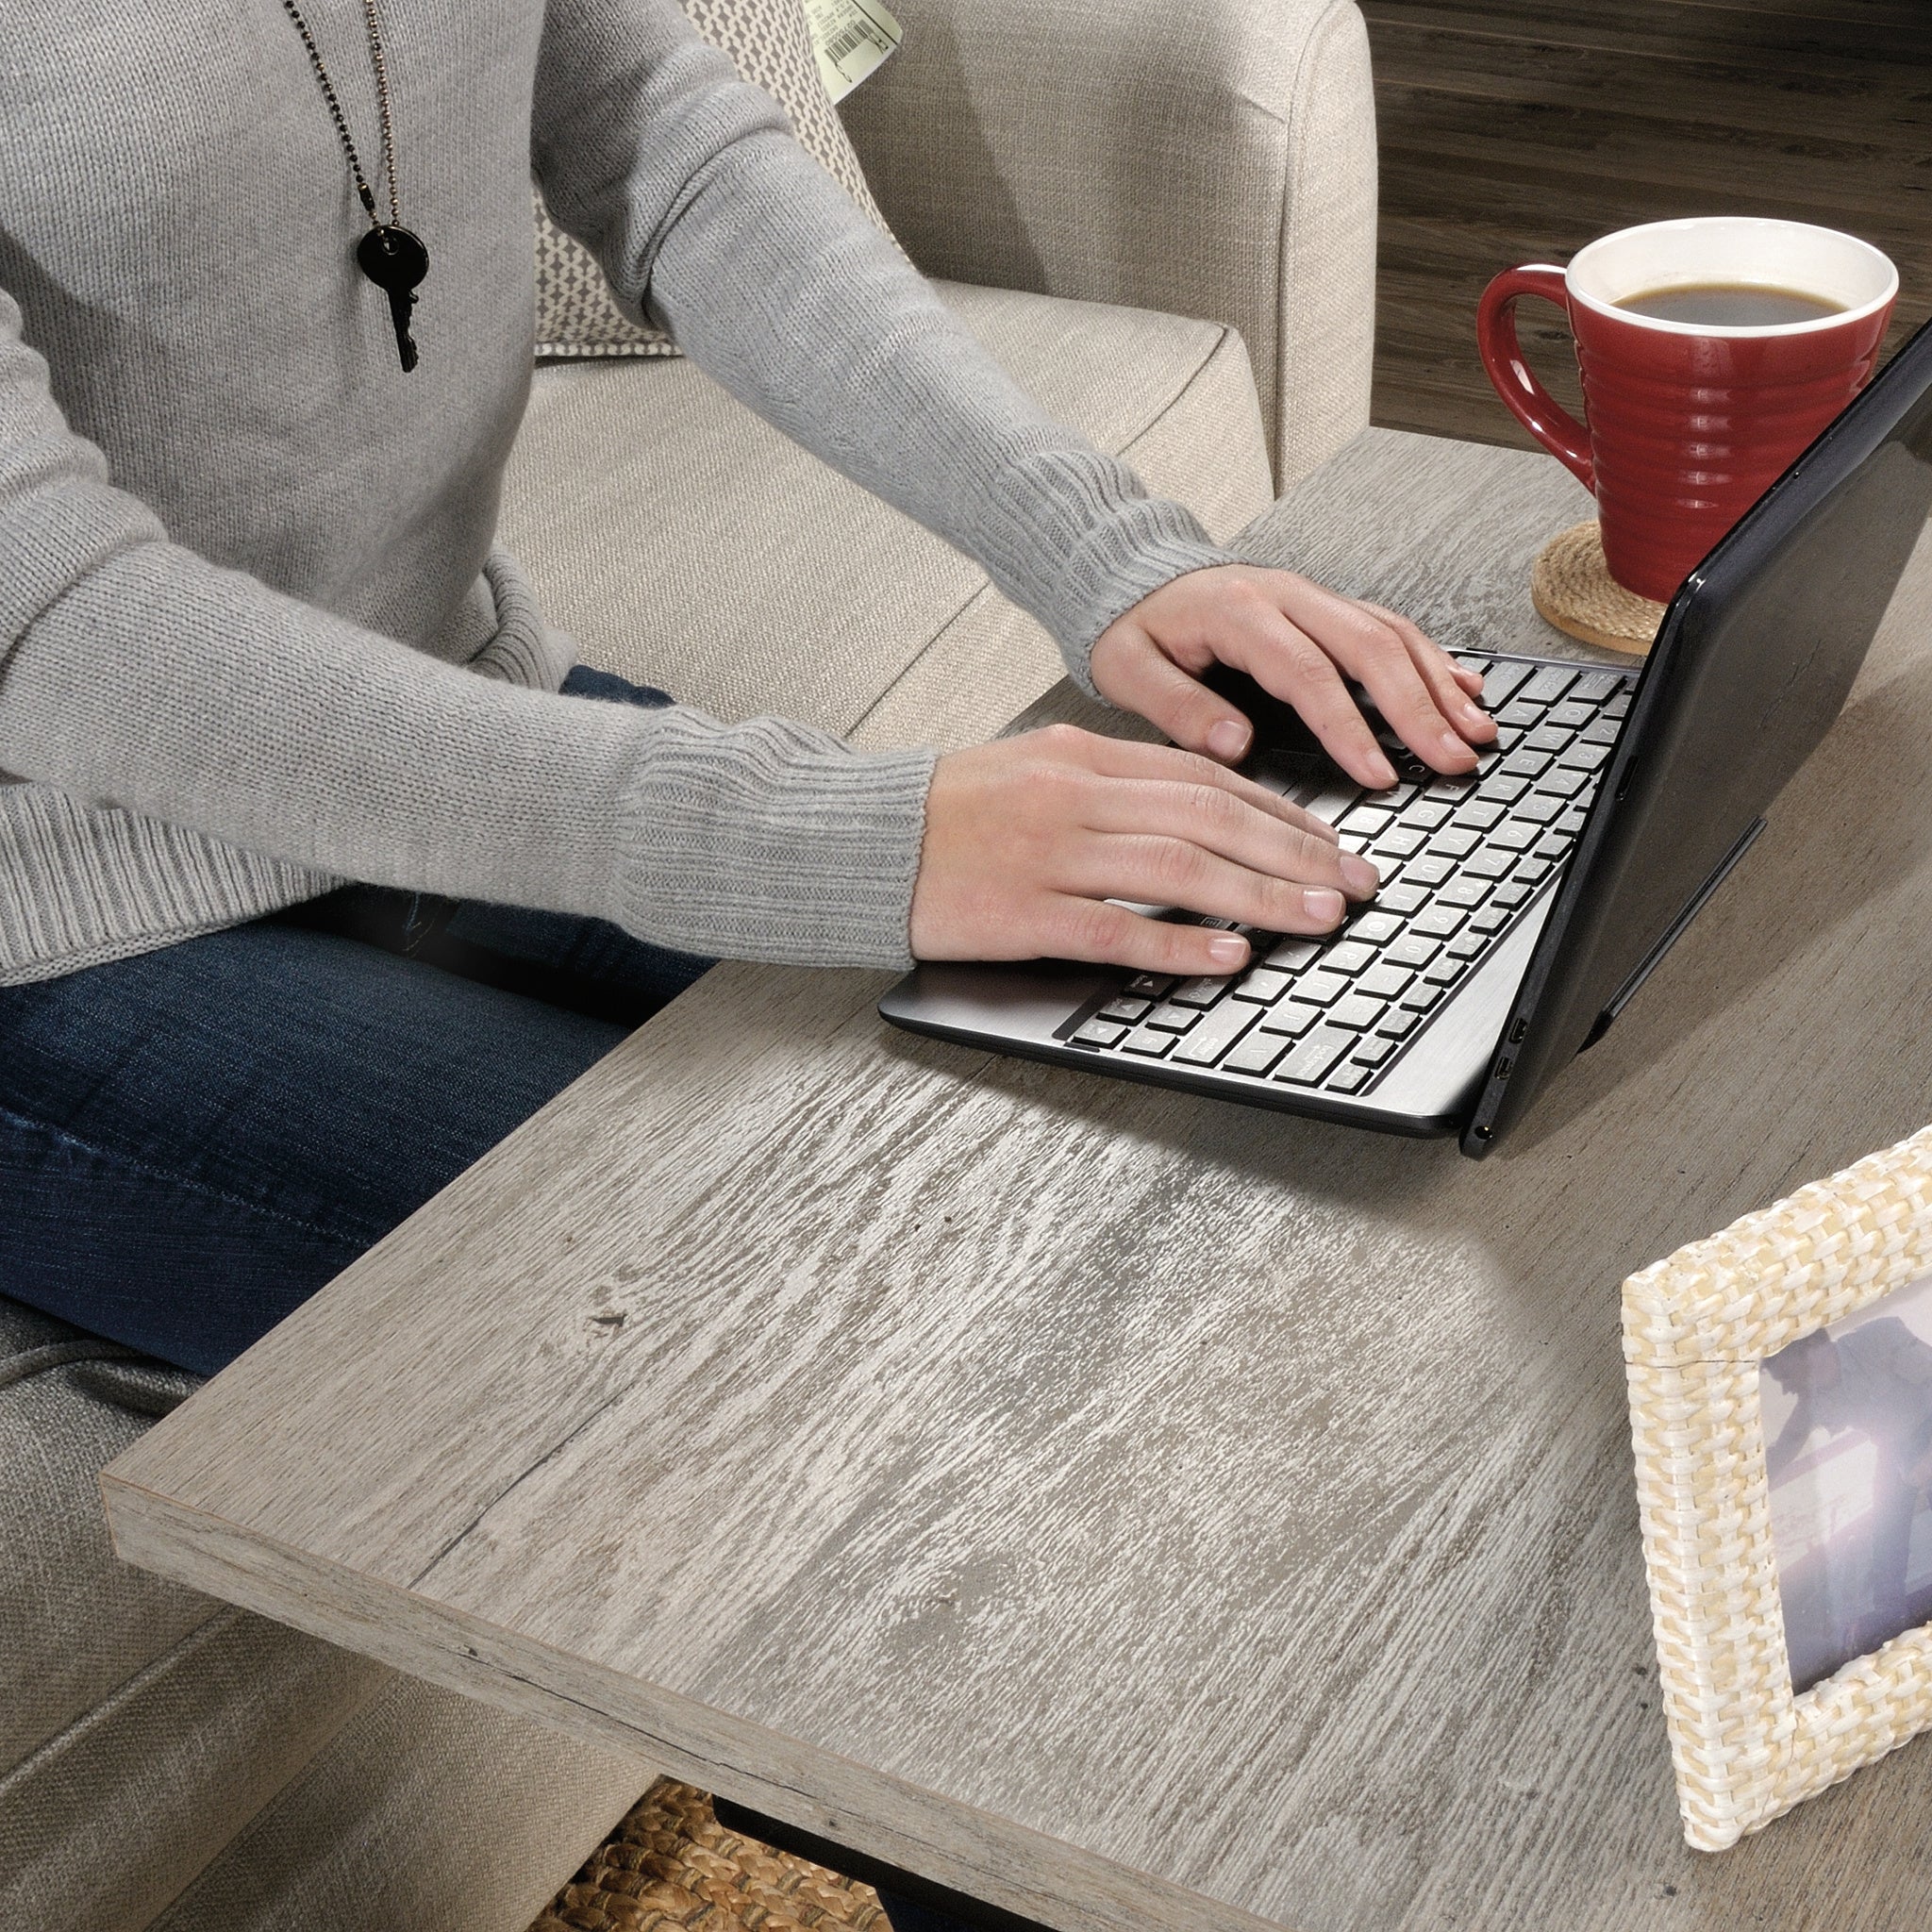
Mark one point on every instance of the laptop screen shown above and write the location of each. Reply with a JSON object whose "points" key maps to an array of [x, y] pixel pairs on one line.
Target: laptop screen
{"points": [[1750, 669]]}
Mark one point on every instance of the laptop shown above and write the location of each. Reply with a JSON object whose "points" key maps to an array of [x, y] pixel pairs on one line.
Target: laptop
{"points": [[1522, 907]]}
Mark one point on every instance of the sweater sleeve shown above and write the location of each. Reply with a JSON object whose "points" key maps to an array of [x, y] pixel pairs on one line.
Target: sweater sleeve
{"points": [[687, 184], [136, 672]]}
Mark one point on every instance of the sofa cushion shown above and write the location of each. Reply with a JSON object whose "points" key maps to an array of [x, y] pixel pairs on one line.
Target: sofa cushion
{"points": [[771, 43], [687, 543]]}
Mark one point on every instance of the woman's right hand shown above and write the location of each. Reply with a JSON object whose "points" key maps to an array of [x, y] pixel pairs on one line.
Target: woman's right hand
{"points": [[1027, 839]]}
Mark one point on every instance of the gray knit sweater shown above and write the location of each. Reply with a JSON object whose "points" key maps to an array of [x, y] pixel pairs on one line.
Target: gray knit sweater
{"points": [[246, 576]]}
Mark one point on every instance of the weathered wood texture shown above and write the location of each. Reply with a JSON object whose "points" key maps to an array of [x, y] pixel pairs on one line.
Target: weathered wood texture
{"points": [[1135, 1509], [1517, 131]]}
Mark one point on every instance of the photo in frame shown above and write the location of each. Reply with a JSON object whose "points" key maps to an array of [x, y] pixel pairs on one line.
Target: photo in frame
{"points": [[1780, 1384]]}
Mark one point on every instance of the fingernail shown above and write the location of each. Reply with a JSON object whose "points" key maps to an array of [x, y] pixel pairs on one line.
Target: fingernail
{"points": [[1358, 876], [1322, 906], [1475, 714], [1381, 773], [1227, 737], [1456, 748], [1230, 949]]}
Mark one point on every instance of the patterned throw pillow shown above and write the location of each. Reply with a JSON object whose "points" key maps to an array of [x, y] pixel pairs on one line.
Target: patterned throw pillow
{"points": [[772, 45]]}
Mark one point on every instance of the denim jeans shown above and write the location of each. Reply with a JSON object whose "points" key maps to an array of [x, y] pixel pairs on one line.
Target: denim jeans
{"points": [[193, 1140]]}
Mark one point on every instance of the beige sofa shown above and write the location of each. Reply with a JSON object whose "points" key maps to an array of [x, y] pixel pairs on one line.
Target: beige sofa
{"points": [[1086, 173]]}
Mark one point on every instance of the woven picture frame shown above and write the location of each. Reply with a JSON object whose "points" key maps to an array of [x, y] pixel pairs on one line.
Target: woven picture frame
{"points": [[1745, 1746]]}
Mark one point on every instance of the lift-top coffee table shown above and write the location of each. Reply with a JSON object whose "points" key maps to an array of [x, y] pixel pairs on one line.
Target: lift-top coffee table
{"points": [[1130, 1509]]}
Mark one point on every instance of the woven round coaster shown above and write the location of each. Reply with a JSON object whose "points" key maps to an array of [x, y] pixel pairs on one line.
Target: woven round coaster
{"points": [[1572, 587], [671, 1867]]}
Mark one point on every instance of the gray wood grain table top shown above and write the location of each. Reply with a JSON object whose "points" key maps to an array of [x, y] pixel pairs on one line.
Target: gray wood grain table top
{"points": [[1133, 1510]]}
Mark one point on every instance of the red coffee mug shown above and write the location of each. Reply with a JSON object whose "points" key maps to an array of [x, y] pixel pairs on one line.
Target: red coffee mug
{"points": [[1690, 424]]}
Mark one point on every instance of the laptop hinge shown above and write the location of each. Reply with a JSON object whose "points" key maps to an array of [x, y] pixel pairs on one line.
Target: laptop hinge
{"points": [[1653, 959]]}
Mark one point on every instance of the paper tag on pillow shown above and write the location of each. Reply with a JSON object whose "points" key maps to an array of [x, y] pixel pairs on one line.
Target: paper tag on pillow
{"points": [[852, 38]]}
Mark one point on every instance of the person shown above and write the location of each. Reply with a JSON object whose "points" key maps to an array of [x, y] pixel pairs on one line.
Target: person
{"points": [[1876, 1379], [322, 863]]}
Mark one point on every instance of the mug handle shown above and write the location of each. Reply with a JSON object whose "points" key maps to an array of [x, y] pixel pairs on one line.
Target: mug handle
{"points": [[1525, 398]]}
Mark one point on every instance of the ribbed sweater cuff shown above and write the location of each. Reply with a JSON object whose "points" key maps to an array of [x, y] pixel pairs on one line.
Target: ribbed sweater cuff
{"points": [[770, 841], [1132, 558]]}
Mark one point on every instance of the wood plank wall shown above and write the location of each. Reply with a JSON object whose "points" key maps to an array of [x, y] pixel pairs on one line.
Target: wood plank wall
{"points": [[1517, 131]]}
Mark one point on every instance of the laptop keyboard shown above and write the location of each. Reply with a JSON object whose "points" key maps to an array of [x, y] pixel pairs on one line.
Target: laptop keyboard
{"points": [[1460, 858]]}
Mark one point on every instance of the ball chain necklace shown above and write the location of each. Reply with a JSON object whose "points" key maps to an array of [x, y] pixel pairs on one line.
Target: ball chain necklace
{"points": [[393, 258]]}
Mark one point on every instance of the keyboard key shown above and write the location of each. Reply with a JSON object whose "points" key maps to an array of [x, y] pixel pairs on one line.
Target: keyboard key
{"points": [[1430, 871], [1481, 815], [1291, 954], [1372, 1051], [1445, 972], [1427, 817], [1531, 870], [1440, 921], [1548, 684], [1217, 1032], [1128, 1011], [1593, 687], [1467, 947], [1504, 787], [1373, 927], [1404, 899], [1491, 862], [1583, 757], [1517, 836], [1350, 956], [1462, 891], [1397, 1024], [1347, 1078], [1420, 998], [1561, 781], [1199, 993], [1321, 988], [1311, 1059], [1454, 843], [1149, 1041], [1554, 844], [1500, 682], [1403, 842], [1148, 986], [1572, 821], [1452, 791], [1510, 896], [1619, 705], [1099, 1032], [1536, 809], [1367, 819], [1526, 762], [1291, 1019], [1490, 919], [1412, 949], [1385, 982], [1603, 731], [1571, 715], [1262, 984], [1256, 1053], [1171, 1018], [1517, 717], [1357, 1012], [1547, 737]]}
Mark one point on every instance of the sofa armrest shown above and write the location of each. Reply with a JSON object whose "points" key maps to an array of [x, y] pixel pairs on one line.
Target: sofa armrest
{"points": [[1208, 157]]}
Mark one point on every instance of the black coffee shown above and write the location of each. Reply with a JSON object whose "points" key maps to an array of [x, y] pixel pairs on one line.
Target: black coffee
{"points": [[1731, 305]]}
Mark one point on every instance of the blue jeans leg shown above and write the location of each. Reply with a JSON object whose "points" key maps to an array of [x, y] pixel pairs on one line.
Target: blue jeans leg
{"points": [[195, 1139]]}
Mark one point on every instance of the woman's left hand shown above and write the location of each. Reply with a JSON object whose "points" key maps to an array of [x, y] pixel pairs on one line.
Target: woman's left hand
{"points": [[1298, 642]]}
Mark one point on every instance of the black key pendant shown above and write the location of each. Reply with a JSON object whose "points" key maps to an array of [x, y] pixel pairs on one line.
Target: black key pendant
{"points": [[395, 261]]}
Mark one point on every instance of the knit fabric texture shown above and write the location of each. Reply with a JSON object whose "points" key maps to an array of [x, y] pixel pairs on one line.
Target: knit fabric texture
{"points": [[770, 43], [242, 554]]}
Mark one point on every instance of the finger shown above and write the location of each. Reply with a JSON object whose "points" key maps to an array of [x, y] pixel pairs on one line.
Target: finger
{"points": [[1144, 678], [1220, 821], [1151, 870], [1376, 655], [1122, 757], [1455, 690], [1285, 659], [1107, 935]]}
